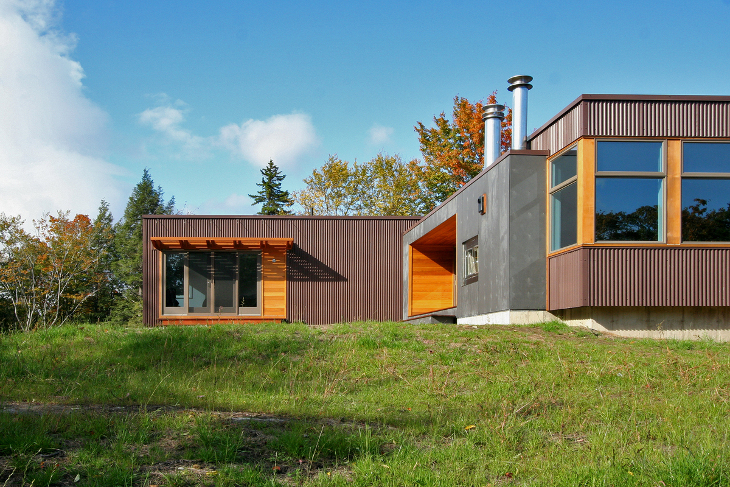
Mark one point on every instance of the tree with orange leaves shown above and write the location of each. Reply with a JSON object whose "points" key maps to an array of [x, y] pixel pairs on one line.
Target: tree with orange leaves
{"points": [[453, 151], [49, 275]]}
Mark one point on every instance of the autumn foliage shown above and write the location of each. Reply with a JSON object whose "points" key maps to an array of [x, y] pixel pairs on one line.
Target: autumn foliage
{"points": [[453, 150], [50, 274]]}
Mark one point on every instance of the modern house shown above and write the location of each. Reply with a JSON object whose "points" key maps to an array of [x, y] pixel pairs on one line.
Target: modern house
{"points": [[237, 269], [614, 215]]}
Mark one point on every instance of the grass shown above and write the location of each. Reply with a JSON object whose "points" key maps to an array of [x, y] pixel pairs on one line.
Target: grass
{"points": [[361, 404]]}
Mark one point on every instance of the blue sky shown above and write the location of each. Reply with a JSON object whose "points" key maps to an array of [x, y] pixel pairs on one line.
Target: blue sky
{"points": [[205, 93]]}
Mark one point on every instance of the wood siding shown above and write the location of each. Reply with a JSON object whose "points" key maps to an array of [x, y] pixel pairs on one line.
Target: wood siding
{"points": [[432, 278], [273, 282], [639, 276]]}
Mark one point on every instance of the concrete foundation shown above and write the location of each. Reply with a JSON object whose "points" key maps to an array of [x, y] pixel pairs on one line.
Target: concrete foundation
{"points": [[508, 317], [681, 323]]}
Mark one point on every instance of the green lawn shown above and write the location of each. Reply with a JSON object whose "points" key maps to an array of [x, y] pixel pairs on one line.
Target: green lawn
{"points": [[361, 404]]}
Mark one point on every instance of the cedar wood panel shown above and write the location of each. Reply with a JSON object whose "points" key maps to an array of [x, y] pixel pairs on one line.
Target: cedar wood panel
{"points": [[339, 269]]}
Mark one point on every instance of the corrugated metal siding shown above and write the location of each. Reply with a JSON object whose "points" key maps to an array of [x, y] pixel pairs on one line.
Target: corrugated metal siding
{"points": [[561, 133], [646, 276], [567, 283], [340, 269], [616, 117]]}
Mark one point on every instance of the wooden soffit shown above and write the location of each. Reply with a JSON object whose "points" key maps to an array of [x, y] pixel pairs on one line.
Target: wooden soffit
{"points": [[198, 243], [444, 235]]}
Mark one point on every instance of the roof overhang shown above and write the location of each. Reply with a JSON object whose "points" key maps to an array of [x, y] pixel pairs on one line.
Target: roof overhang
{"points": [[192, 243]]}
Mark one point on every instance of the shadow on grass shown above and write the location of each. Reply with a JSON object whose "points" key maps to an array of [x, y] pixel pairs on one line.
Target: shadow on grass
{"points": [[176, 448]]}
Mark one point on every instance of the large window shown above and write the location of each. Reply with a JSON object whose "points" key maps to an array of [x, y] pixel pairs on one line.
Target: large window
{"points": [[564, 200], [212, 283], [706, 191], [630, 191]]}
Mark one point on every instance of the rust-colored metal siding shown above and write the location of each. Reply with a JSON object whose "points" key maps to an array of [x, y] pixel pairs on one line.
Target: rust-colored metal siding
{"points": [[640, 276], [340, 268], [635, 116], [562, 132]]}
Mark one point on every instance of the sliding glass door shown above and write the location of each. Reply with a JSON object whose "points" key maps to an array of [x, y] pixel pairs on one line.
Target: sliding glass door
{"points": [[212, 283]]}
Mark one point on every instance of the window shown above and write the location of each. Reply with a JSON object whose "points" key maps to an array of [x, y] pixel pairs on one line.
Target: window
{"points": [[564, 199], [471, 260], [706, 191], [630, 191], [212, 283]]}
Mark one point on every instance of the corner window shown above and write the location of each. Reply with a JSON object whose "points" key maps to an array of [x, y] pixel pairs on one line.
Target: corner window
{"points": [[706, 192], [471, 260], [208, 283], [564, 199], [630, 191]]}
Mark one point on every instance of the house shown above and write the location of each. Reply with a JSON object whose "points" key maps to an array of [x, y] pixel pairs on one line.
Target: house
{"points": [[237, 269], [614, 215]]}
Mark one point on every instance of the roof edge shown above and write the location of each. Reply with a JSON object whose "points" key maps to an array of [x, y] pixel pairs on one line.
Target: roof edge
{"points": [[618, 97], [510, 152], [289, 217]]}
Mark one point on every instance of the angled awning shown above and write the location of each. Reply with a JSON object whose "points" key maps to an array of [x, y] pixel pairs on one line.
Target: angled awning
{"points": [[200, 243]]}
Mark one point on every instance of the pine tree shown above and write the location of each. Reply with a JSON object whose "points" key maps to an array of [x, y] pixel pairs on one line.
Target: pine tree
{"points": [[128, 245], [275, 200], [100, 305]]}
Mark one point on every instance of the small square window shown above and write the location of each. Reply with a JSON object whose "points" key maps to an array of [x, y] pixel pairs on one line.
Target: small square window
{"points": [[471, 260]]}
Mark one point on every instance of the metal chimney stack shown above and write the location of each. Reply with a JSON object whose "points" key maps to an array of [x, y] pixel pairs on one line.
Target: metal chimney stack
{"points": [[493, 116], [519, 86]]}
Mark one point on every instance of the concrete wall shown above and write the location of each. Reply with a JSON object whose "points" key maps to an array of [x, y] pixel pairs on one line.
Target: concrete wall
{"points": [[511, 237], [677, 322]]}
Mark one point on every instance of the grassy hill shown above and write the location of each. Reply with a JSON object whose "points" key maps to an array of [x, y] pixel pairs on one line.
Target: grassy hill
{"points": [[361, 404]]}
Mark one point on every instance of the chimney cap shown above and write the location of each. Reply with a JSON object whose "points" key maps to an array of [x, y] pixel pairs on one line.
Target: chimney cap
{"points": [[493, 110], [518, 81]]}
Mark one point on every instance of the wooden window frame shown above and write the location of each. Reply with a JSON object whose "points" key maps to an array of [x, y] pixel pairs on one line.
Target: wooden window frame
{"points": [[562, 185], [183, 311], [659, 175], [698, 175]]}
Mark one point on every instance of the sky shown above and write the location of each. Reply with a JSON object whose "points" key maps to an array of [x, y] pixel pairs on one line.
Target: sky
{"points": [[204, 94]]}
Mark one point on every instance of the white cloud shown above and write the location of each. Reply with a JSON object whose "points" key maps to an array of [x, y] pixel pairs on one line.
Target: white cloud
{"points": [[52, 137], [380, 135], [282, 138], [167, 118]]}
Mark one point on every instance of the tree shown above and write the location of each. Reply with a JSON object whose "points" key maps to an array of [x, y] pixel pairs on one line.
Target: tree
{"points": [[127, 266], [382, 186], [50, 275], [391, 188], [335, 189], [453, 151], [275, 200], [100, 305]]}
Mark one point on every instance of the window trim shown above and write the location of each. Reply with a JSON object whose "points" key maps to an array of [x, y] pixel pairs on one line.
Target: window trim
{"points": [[659, 175], [472, 243], [558, 187], [702, 176], [184, 309]]}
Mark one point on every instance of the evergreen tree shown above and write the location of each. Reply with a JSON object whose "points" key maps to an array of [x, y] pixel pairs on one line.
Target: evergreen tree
{"points": [[127, 267], [100, 305], [275, 200]]}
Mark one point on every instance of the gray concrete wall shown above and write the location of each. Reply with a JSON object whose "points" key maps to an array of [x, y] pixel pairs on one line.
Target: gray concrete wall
{"points": [[528, 233], [677, 322], [491, 291]]}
